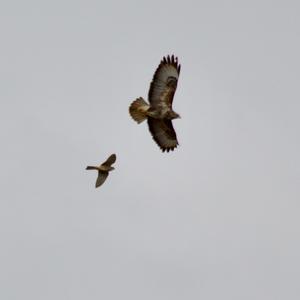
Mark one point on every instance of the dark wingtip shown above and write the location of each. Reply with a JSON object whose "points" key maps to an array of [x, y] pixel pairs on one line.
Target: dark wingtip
{"points": [[168, 149], [171, 60]]}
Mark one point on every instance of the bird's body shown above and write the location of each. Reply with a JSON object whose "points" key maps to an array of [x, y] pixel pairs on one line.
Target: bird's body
{"points": [[103, 169], [159, 112]]}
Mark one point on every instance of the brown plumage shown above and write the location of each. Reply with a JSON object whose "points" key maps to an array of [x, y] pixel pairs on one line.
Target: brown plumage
{"points": [[159, 112], [103, 169]]}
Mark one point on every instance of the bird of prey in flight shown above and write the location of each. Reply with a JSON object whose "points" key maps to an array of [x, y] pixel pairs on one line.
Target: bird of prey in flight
{"points": [[159, 112], [103, 169]]}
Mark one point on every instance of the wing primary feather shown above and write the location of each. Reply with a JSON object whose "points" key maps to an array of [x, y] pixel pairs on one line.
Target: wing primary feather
{"points": [[111, 160], [167, 68], [101, 178], [163, 134]]}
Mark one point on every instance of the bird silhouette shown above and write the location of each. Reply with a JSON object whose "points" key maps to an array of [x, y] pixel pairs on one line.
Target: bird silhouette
{"points": [[103, 169]]}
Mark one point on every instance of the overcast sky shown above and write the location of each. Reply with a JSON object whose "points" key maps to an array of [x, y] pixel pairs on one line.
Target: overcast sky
{"points": [[218, 218]]}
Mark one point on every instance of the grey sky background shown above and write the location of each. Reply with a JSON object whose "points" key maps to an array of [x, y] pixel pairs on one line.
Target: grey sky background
{"points": [[216, 219]]}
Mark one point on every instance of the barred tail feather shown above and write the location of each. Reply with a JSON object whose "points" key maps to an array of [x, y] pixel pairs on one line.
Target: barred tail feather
{"points": [[138, 110]]}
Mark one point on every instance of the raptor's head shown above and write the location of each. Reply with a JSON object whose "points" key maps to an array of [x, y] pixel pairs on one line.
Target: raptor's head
{"points": [[172, 115]]}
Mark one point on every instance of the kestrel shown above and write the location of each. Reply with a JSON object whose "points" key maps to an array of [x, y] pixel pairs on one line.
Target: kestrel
{"points": [[103, 169]]}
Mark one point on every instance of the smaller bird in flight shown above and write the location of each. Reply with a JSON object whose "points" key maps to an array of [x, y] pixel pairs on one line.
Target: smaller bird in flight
{"points": [[103, 169]]}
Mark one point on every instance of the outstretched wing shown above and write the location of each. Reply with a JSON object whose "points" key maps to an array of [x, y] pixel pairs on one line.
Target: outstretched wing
{"points": [[163, 133], [101, 178], [111, 160], [164, 82]]}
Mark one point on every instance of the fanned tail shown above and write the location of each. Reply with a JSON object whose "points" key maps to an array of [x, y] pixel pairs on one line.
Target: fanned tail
{"points": [[138, 110]]}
